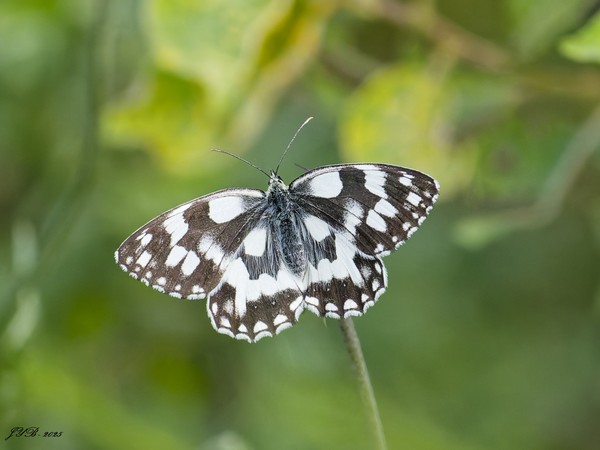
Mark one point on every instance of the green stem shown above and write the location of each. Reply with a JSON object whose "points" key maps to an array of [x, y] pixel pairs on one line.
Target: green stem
{"points": [[358, 360]]}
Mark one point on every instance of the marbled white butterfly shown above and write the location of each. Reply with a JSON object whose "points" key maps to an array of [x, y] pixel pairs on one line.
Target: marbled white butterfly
{"points": [[262, 258]]}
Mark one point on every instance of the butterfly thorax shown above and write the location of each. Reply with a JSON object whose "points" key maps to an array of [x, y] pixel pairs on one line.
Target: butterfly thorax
{"points": [[285, 230]]}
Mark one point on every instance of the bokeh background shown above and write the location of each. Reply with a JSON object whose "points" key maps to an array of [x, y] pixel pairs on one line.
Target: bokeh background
{"points": [[488, 337]]}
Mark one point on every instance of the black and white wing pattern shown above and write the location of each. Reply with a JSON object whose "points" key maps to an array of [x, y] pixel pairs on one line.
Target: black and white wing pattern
{"points": [[262, 258], [364, 211]]}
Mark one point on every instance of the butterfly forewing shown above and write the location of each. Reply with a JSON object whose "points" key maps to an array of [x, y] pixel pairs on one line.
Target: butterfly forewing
{"points": [[184, 251], [261, 258], [379, 204]]}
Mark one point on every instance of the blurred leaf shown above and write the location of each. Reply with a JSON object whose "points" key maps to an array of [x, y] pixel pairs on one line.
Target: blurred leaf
{"points": [[36, 41], [207, 41], [537, 24], [222, 68], [171, 119], [415, 116], [79, 403], [584, 44], [517, 156], [288, 45]]}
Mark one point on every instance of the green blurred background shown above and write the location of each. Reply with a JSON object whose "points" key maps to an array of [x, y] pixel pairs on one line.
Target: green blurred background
{"points": [[488, 336]]}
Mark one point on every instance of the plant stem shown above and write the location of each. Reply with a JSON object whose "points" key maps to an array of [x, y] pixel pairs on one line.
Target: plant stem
{"points": [[358, 360]]}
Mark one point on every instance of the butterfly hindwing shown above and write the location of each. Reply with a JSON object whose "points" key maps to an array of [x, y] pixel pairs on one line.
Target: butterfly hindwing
{"points": [[257, 296], [345, 282]]}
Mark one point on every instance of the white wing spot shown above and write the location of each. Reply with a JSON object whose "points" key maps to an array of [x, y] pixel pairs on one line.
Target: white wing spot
{"points": [[260, 326], [261, 335], [177, 227], [176, 254], [317, 228], [228, 307], [375, 221], [279, 319], [237, 276], [283, 326], [386, 208], [180, 209], [404, 180], [365, 271], [295, 304], [210, 249], [268, 284], [350, 304], [190, 263], [146, 240], [344, 264], [353, 214], [374, 182], [326, 185], [414, 199], [256, 242], [312, 301], [331, 307], [224, 209], [144, 259], [324, 270], [376, 284]]}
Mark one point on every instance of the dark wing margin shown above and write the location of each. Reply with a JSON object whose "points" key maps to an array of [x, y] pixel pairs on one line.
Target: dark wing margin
{"points": [[380, 205], [184, 251]]}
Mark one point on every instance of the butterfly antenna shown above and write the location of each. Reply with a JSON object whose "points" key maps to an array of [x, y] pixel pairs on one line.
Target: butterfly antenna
{"points": [[241, 159], [290, 144], [302, 167]]}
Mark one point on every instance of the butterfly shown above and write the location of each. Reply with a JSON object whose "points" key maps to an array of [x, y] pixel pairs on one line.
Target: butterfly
{"points": [[262, 258]]}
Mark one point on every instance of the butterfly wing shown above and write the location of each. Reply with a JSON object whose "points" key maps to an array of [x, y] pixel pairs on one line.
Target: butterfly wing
{"points": [[379, 204], [218, 246], [364, 211], [185, 251]]}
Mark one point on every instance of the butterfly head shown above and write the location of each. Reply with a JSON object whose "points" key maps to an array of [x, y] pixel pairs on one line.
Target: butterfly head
{"points": [[276, 183]]}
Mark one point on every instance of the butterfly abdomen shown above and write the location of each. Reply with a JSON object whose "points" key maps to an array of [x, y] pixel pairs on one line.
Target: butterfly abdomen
{"points": [[290, 245], [286, 231]]}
